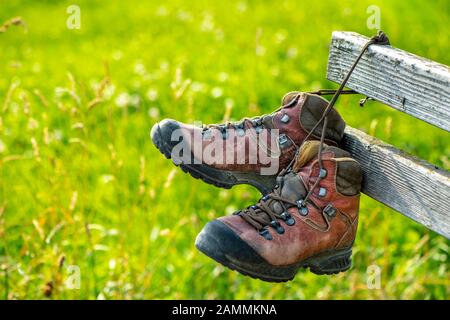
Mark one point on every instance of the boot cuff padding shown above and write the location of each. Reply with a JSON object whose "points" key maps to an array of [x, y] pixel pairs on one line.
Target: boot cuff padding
{"points": [[312, 111], [348, 176], [348, 171], [307, 152]]}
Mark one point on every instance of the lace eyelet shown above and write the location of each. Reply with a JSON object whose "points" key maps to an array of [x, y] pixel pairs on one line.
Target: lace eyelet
{"points": [[330, 211], [288, 219], [277, 226], [282, 139], [322, 173], [285, 118], [301, 203], [322, 192], [265, 233], [303, 211]]}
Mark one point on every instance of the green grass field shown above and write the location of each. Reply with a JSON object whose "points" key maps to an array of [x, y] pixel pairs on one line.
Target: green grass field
{"points": [[82, 185]]}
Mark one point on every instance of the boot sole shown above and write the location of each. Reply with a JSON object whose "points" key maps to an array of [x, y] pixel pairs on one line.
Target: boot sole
{"points": [[219, 178], [326, 263]]}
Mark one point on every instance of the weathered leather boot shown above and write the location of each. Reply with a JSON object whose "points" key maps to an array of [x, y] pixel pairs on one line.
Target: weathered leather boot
{"points": [[308, 220], [251, 151]]}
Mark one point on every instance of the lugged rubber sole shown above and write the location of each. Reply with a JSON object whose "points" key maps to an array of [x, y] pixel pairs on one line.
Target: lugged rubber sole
{"points": [[219, 178], [252, 265]]}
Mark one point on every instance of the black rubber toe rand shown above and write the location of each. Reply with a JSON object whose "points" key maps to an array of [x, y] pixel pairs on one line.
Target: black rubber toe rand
{"points": [[222, 244]]}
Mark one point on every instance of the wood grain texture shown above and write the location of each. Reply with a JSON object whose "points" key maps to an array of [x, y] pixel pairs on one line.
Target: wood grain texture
{"points": [[411, 186], [406, 82]]}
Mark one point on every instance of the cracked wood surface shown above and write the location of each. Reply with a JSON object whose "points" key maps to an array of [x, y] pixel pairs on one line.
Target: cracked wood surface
{"points": [[409, 185], [406, 82]]}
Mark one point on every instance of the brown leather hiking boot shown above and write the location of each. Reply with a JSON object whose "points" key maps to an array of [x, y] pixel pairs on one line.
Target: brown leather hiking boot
{"points": [[251, 151], [308, 220]]}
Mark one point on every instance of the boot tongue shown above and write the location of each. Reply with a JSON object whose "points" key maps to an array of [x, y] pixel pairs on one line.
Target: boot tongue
{"points": [[292, 188], [291, 185]]}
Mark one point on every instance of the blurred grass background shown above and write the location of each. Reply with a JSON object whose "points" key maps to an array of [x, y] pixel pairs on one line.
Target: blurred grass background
{"points": [[81, 183]]}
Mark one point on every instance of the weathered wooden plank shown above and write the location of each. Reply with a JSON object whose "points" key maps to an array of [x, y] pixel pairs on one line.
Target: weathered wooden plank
{"points": [[412, 84], [411, 186]]}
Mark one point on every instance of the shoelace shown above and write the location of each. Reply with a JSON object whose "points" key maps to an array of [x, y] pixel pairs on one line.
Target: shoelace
{"points": [[261, 215], [258, 122]]}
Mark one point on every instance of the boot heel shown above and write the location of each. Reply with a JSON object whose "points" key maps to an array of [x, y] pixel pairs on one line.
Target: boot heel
{"points": [[332, 263]]}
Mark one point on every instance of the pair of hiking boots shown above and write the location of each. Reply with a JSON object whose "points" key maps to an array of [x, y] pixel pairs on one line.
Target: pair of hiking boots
{"points": [[308, 214]]}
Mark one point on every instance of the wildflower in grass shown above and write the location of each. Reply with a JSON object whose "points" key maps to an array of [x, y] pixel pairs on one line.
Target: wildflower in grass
{"points": [[112, 264], [153, 113], [109, 91], [60, 91], [260, 50], [197, 86], [162, 11], [135, 100], [230, 209], [223, 194], [280, 36], [139, 69], [292, 52], [14, 107], [164, 66], [207, 23], [164, 232], [218, 270], [154, 233], [107, 178], [57, 135], [184, 16], [123, 100], [152, 94], [216, 92], [222, 76], [33, 124]]}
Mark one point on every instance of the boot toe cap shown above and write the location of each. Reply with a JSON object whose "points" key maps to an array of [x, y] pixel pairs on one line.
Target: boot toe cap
{"points": [[221, 243], [164, 129], [161, 134]]}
